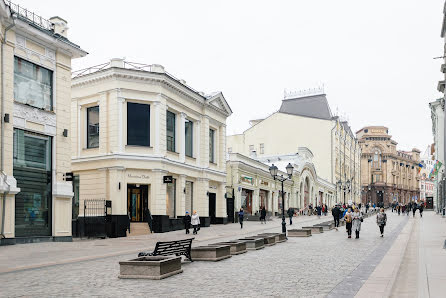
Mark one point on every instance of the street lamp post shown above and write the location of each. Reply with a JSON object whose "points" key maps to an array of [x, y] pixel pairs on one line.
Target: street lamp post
{"points": [[273, 170], [344, 185]]}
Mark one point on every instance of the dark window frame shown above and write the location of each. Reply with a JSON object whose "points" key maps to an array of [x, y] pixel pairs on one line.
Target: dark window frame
{"points": [[191, 143], [88, 127], [171, 140], [211, 145], [132, 139]]}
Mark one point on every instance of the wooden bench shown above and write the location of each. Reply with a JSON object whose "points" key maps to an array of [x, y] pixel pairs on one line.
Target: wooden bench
{"points": [[167, 248]]}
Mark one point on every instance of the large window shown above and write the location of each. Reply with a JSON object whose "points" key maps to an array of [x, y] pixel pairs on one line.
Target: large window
{"points": [[211, 145], [170, 131], [138, 124], [93, 127], [33, 84], [376, 159], [189, 135], [32, 169]]}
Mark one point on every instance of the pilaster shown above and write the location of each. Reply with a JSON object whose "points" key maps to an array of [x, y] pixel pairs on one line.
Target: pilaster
{"points": [[182, 136]]}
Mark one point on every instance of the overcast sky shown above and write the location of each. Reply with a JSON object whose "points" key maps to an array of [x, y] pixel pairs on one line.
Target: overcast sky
{"points": [[374, 57]]}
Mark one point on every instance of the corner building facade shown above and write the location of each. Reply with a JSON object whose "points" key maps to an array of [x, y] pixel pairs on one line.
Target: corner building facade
{"points": [[146, 141], [387, 175], [35, 202]]}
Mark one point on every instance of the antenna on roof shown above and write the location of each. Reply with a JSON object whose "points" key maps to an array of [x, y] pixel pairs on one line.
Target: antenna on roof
{"points": [[304, 92]]}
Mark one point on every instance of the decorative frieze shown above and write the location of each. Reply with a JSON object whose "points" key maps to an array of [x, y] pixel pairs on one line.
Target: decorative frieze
{"points": [[24, 113]]}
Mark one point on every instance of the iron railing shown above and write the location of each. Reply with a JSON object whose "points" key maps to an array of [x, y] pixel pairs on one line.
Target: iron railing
{"points": [[29, 16], [96, 217]]}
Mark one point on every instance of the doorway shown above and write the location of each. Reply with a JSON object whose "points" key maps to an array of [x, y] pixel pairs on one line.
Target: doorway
{"points": [[246, 202], [429, 203], [212, 207], [137, 202], [230, 209]]}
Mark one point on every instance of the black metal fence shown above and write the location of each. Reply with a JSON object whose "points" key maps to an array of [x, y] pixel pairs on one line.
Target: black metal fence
{"points": [[97, 213]]}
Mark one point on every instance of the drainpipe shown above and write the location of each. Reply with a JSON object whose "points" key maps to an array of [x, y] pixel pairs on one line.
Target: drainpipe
{"points": [[2, 112]]}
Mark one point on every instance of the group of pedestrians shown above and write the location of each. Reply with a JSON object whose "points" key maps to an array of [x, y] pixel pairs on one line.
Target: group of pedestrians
{"points": [[407, 208], [193, 220]]}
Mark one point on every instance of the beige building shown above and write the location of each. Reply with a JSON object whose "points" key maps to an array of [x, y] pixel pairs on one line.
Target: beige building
{"points": [[36, 201], [388, 175], [306, 120], [251, 185], [147, 141]]}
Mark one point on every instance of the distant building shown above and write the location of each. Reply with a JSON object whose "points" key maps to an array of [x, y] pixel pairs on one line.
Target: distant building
{"points": [[306, 120], [426, 182], [387, 174]]}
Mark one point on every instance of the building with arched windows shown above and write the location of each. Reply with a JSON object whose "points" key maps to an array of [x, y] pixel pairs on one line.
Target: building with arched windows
{"points": [[387, 174]]}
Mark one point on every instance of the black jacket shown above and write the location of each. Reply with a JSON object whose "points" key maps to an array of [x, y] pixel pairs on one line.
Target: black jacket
{"points": [[186, 220], [290, 212], [263, 213], [336, 212]]}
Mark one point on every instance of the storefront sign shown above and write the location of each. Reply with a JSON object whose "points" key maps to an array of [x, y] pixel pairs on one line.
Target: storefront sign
{"points": [[264, 183], [247, 179], [138, 176], [167, 179]]}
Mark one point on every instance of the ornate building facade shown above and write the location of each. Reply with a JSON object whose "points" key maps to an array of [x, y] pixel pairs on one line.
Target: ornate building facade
{"points": [[387, 174]]}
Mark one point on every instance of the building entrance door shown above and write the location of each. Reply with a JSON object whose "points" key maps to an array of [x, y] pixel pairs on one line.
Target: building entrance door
{"points": [[429, 203], [247, 200], [380, 198], [137, 202], [230, 209], [212, 205]]}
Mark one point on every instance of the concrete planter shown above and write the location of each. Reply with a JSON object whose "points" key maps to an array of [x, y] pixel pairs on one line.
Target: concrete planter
{"points": [[237, 247], [268, 240], [315, 229], [326, 227], [156, 267], [299, 233], [280, 237], [211, 253], [254, 243]]}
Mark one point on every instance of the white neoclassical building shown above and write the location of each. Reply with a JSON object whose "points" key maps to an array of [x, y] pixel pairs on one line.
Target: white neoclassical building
{"points": [[147, 141], [251, 185], [306, 120]]}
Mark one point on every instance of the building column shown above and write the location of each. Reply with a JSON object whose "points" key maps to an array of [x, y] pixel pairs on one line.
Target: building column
{"points": [[182, 137], [201, 200], [121, 102], [269, 200], [181, 195], [220, 148], [205, 142], [157, 200], [275, 202], [197, 137], [220, 204], [255, 200]]}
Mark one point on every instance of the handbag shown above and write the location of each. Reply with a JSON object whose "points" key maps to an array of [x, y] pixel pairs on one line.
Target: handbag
{"points": [[362, 219]]}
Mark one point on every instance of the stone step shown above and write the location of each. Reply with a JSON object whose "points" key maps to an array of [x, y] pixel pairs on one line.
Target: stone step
{"points": [[138, 228]]}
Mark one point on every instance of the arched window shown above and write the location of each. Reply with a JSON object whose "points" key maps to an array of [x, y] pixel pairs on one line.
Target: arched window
{"points": [[376, 161]]}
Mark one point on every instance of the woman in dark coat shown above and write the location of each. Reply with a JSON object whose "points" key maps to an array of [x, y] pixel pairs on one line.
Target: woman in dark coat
{"points": [[186, 221], [241, 213], [263, 215]]}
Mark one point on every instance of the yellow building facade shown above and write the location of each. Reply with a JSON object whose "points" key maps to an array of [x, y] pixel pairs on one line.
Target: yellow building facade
{"points": [[36, 199], [148, 142], [388, 175]]}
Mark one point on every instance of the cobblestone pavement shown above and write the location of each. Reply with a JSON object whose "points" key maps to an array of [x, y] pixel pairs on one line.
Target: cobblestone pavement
{"points": [[305, 267], [26, 256]]}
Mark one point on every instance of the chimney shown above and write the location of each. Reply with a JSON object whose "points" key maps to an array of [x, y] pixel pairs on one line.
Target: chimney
{"points": [[117, 62], [60, 26]]}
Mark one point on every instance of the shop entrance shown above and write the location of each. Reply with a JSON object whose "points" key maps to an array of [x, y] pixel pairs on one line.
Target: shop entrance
{"points": [[429, 203], [137, 202], [212, 206], [247, 200]]}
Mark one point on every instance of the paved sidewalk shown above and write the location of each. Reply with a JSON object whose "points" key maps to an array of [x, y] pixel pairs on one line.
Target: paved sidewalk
{"points": [[299, 267], [415, 266], [35, 255]]}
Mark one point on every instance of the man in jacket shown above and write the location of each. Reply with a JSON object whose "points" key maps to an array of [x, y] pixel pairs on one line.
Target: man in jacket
{"points": [[290, 214], [336, 212]]}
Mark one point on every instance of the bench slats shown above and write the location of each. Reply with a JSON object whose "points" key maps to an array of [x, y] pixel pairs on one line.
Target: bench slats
{"points": [[177, 247]]}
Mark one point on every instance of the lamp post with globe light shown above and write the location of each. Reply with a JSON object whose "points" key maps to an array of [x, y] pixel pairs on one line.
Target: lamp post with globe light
{"points": [[273, 170]]}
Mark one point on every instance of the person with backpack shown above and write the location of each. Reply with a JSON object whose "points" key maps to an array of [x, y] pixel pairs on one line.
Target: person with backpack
{"points": [[336, 212], [348, 222], [381, 220], [241, 214], [414, 208]]}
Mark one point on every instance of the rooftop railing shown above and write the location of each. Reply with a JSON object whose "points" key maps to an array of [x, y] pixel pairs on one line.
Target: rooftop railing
{"points": [[29, 16]]}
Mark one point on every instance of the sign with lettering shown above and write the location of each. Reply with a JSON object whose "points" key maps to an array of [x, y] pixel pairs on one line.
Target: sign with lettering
{"points": [[138, 176], [167, 179], [247, 179]]}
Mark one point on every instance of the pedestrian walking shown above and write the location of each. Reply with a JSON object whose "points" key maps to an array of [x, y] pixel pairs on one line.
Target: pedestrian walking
{"points": [[319, 211], [421, 209], [290, 214], [414, 208], [399, 209], [336, 212], [356, 223], [381, 220], [367, 206], [149, 220], [263, 215], [195, 221], [310, 209], [241, 213], [348, 222], [187, 220]]}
